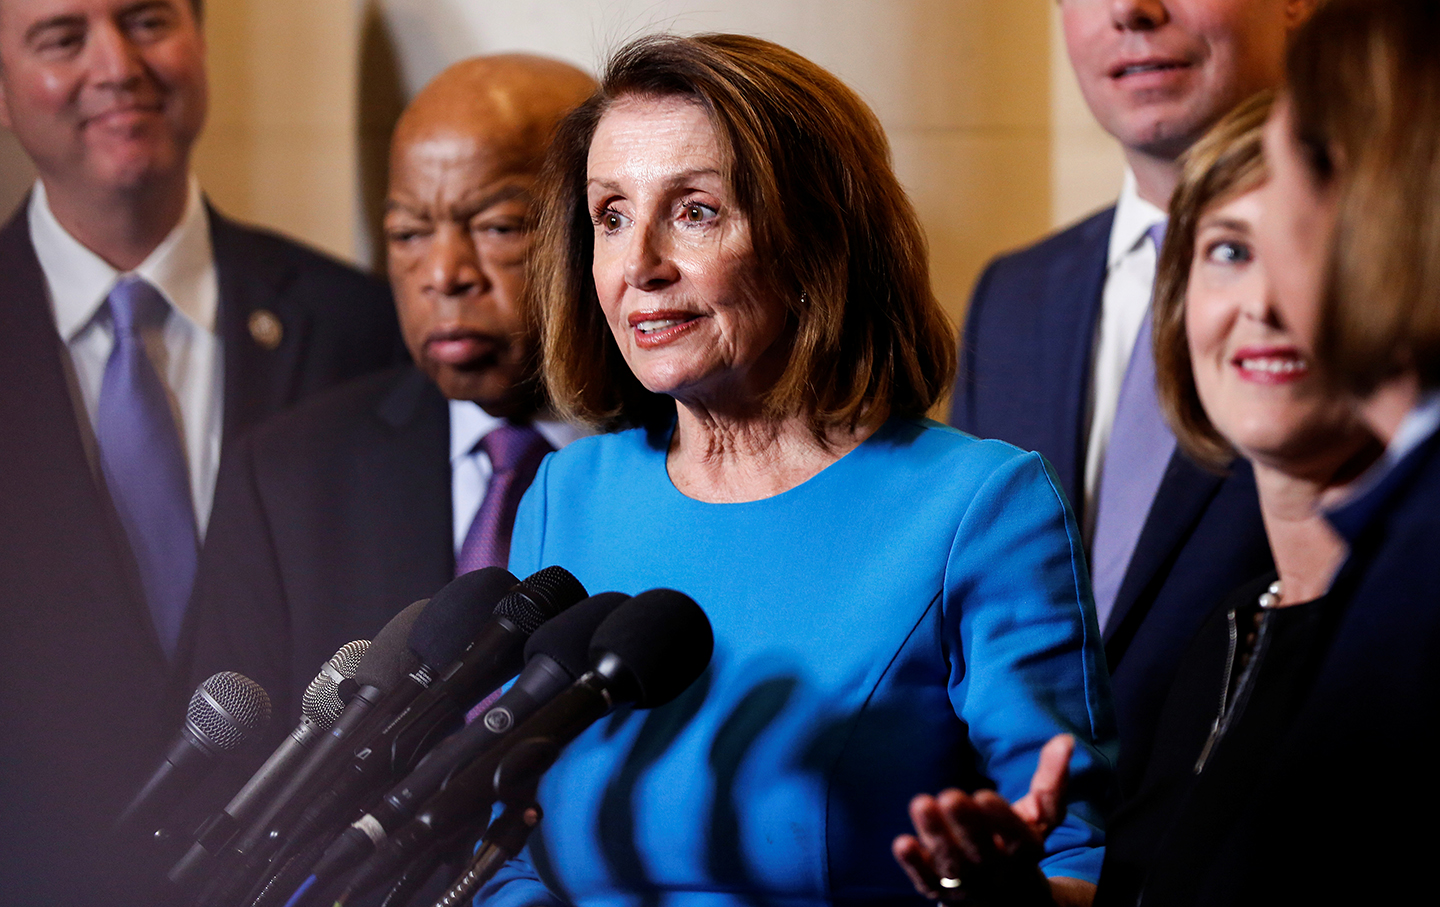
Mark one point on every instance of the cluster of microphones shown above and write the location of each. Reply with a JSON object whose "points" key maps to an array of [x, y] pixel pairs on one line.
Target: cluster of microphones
{"points": [[383, 783]]}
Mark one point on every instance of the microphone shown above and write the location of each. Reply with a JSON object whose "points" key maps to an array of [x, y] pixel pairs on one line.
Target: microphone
{"points": [[494, 656], [646, 653], [320, 707], [224, 712], [555, 655], [384, 664]]}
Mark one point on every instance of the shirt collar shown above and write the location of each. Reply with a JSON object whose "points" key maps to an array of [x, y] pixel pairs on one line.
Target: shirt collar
{"points": [[79, 280], [469, 424], [1133, 219], [1367, 493]]}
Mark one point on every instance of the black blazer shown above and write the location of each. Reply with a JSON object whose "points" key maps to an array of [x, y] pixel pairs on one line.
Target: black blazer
{"points": [[87, 700], [1343, 810], [330, 519], [1025, 378]]}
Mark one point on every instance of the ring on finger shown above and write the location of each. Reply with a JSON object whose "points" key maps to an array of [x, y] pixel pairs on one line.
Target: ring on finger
{"points": [[950, 883]]}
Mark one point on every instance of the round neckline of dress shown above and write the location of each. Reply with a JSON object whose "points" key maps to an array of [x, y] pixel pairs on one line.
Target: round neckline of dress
{"points": [[886, 430]]}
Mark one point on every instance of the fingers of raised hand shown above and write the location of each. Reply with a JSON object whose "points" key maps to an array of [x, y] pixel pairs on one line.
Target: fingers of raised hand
{"points": [[915, 860]]}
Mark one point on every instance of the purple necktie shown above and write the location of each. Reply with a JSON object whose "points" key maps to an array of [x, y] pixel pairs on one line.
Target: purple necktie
{"points": [[145, 469], [1140, 448], [515, 452]]}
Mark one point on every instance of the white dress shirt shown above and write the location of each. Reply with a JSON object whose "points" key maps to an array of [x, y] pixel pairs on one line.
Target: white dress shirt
{"points": [[1129, 284], [185, 349], [470, 468]]}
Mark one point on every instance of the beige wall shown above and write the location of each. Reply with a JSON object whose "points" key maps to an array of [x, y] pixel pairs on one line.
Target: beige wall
{"points": [[988, 129]]}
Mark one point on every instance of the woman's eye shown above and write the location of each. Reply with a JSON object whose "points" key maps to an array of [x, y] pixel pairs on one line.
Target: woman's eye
{"points": [[696, 213], [1230, 252], [610, 220]]}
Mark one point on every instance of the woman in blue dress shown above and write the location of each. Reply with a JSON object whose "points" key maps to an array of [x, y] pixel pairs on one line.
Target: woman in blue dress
{"points": [[733, 285]]}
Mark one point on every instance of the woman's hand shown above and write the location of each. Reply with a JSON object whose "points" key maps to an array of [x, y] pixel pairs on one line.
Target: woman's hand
{"points": [[982, 850]]}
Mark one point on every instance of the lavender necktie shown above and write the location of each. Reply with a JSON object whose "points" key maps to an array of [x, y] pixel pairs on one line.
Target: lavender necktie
{"points": [[144, 467], [515, 452], [1140, 448]]}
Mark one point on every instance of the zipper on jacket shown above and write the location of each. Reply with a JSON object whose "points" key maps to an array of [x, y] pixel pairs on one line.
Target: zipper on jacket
{"points": [[1234, 626], [1242, 687]]}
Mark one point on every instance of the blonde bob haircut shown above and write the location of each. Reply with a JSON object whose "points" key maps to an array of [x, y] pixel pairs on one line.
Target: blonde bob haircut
{"points": [[833, 231], [1224, 164], [1363, 79]]}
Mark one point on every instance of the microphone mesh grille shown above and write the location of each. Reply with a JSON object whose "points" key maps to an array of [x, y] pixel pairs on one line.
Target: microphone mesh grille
{"points": [[540, 597], [227, 708], [347, 658], [322, 704]]}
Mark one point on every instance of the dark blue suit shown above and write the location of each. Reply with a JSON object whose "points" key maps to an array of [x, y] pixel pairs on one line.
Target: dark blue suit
{"points": [[329, 520], [87, 699], [1025, 363]]}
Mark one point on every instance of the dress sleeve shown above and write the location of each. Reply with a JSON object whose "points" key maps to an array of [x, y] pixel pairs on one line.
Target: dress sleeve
{"points": [[1018, 609]]}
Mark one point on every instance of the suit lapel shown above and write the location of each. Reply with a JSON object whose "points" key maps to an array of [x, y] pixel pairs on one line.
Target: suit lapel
{"points": [[1185, 491], [418, 418], [43, 452], [1067, 346], [261, 368]]}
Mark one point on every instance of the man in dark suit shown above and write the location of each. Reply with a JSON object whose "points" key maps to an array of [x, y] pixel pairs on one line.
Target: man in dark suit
{"points": [[375, 494], [1055, 355], [226, 325]]}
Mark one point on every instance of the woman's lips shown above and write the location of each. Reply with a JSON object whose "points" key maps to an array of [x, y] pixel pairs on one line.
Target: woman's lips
{"points": [[1271, 365], [653, 329]]}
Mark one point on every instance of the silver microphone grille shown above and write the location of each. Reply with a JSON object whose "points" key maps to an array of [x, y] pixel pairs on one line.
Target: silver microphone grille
{"points": [[227, 709]]}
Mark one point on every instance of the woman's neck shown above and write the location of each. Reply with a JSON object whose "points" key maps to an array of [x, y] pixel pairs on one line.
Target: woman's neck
{"points": [[724, 458], [1307, 549]]}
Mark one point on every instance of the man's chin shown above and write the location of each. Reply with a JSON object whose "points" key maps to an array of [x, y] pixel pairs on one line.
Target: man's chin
{"points": [[491, 390]]}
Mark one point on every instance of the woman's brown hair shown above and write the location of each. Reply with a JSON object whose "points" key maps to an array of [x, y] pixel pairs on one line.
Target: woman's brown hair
{"points": [[1225, 163], [829, 221], [1364, 88]]}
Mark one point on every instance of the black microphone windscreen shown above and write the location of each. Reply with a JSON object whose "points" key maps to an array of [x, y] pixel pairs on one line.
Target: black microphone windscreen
{"points": [[456, 613], [226, 710], [389, 657], [566, 637], [663, 638], [540, 597]]}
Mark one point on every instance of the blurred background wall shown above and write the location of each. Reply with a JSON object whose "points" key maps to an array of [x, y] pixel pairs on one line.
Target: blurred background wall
{"points": [[988, 129]]}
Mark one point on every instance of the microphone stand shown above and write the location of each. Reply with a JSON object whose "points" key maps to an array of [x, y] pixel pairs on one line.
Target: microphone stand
{"points": [[504, 839]]}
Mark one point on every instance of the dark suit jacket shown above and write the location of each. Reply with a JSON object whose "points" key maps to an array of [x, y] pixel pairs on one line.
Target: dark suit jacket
{"points": [[1025, 378], [330, 519], [87, 700], [1343, 809]]}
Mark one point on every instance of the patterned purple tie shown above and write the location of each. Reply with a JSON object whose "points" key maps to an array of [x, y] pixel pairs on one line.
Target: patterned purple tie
{"points": [[144, 466], [515, 452], [1140, 448]]}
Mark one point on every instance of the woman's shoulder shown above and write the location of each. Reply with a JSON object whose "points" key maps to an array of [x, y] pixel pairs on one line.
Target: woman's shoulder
{"points": [[929, 444]]}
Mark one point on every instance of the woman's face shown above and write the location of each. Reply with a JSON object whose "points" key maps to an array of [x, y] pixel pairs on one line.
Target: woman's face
{"points": [[1254, 380], [674, 267], [1294, 233]]}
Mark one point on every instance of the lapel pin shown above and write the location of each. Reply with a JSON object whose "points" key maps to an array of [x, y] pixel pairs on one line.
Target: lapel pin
{"points": [[265, 328]]}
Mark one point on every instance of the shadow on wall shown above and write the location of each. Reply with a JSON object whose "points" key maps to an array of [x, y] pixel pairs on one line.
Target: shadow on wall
{"points": [[16, 174], [403, 45], [381, 98]]}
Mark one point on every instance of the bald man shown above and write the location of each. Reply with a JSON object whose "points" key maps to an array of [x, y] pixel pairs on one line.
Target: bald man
{"points": [[348, 508]]}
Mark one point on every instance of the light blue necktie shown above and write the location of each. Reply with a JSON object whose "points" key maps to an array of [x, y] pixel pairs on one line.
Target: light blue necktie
{"points": [[1140, 448], [144, 466]]}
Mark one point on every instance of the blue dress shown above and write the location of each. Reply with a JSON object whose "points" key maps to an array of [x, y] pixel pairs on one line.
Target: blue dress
{"points": [[915, 616]]}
